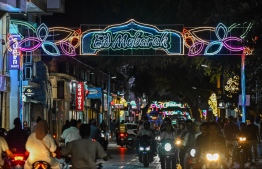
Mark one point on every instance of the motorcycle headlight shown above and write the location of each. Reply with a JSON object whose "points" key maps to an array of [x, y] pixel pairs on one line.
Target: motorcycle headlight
{"points": [[157, 138], [242, 139], [102, 135], [167, 146], [192, 152], [141, 148], [147, 148], [178, 142], [212, 157]]}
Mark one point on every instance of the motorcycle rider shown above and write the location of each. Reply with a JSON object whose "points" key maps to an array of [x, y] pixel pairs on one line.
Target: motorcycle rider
{"points": [[84, 151], [145, 131], [214, 142], [168, 134], [71, 133], [242, 133], [230, 134], [3, 148], [204, 127], [95, 132], [17, 137], [188, 137]]}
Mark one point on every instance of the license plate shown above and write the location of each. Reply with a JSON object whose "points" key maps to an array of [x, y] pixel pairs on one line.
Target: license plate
{"points": [[122, 139], [129, 138]]}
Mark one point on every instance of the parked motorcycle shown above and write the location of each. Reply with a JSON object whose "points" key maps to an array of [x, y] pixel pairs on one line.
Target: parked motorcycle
{"points": [[145, 150], [168, 155]]}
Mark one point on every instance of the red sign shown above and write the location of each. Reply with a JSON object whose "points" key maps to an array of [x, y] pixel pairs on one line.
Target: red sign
{"points": [[80, 96]]}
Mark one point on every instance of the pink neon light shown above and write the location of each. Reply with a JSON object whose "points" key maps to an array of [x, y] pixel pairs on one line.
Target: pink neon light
{"points": [[226, 43], [35, 40], [70, 51], [196, 49]]}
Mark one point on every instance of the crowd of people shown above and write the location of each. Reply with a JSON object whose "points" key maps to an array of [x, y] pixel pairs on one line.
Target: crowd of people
{"points": [[38, 145]]}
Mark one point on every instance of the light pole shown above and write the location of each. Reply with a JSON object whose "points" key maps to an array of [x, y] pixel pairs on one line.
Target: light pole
{"points": [[108, 101]]}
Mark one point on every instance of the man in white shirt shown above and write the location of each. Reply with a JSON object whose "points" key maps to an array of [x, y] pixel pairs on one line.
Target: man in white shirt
{"points": [[71, 133]]}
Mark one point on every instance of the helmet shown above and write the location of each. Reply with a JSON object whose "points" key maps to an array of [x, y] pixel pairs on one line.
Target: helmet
{"points": [[146, 124], [167, 120]]}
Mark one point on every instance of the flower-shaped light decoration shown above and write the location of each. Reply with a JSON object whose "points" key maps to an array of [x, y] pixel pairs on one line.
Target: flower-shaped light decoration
{"points": [[232, 85]]}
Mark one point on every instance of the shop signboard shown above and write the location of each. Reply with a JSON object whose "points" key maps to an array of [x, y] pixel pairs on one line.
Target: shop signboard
{"points": [[4, 83], [80, 96], [94, 93], [13, 52], [29, 92]]}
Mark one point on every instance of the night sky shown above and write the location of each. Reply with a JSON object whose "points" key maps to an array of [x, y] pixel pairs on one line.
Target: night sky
{"points": [[108, 12]]}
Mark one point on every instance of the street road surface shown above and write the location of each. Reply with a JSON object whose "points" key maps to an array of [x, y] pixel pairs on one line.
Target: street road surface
{"points": [[123, 158]]}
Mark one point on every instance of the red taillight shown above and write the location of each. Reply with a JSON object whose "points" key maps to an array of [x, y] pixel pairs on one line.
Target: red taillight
{"points": [[121, 135]]}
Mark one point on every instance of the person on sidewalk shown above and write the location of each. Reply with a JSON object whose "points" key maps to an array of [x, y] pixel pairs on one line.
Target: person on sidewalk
{"points": [[253, 138]]}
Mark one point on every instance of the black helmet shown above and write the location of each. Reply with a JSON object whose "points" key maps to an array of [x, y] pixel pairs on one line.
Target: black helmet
{"points": [[167, 120], [146, 124]]}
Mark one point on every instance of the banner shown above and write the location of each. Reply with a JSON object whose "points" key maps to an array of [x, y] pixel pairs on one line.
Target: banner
{"points": [[80, 96], [94, 93]]}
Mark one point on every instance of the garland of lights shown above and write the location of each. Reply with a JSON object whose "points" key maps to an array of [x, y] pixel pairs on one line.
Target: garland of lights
{"points": [[131, 35]]}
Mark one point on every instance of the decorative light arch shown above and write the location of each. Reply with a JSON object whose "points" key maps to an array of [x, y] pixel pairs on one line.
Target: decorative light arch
{"points": [[133, 35]]}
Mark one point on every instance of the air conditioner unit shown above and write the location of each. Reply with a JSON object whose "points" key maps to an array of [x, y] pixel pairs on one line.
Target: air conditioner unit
{"points": [[53, 81]]}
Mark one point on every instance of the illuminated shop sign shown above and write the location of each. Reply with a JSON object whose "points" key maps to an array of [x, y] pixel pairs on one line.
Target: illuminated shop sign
{"points": [[132, 35], [13, 52], [94, 93], [160, 105], [80, 96]]}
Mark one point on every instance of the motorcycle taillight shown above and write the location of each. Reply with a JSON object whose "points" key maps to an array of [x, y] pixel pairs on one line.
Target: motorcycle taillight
{"points": [[121, 135], [19, 158]]}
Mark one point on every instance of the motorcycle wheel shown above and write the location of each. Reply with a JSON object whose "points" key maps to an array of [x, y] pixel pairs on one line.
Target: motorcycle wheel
{"points": [[146, 164], [129, 147], [168, 164], [241, 162]]}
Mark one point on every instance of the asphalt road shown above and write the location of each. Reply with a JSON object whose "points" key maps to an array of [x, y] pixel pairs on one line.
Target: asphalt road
{"points": [[125, 159]]}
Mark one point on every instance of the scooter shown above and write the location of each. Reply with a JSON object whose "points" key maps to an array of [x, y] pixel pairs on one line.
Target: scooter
{"points": [[168, 155], [122, 139], [145, 150]]}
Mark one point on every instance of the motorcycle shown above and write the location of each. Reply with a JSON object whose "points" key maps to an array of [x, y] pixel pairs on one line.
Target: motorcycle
{"points": [[122, 139], [168, 155], [241, 152], [103, 140], [190, 158], [212, 160], [145, 150]]}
